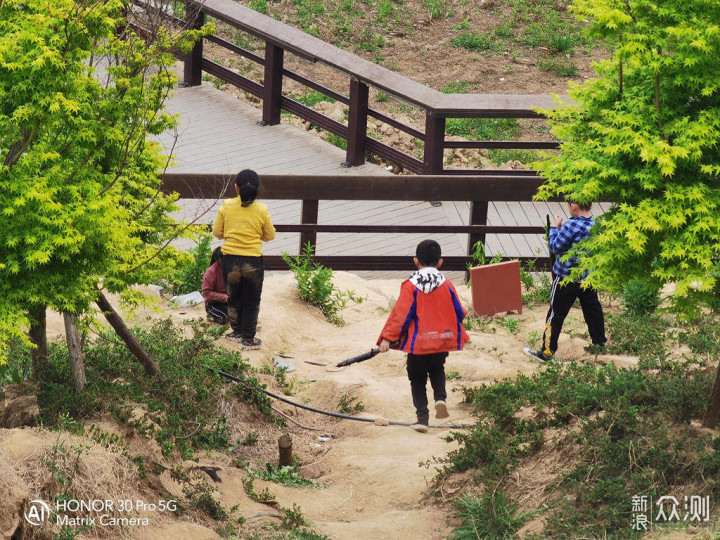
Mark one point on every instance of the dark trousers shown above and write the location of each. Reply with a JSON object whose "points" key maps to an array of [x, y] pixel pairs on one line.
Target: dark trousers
{"points": [[218, 311], [419, 368], [243, 281], [562, 298]]}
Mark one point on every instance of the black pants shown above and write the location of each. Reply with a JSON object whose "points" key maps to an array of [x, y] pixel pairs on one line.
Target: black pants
{"points": [[419, 368], [243, 282], [218, 311], [562, 299]]}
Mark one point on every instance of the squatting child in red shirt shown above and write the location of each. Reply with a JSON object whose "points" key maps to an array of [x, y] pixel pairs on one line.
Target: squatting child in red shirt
{"points": [[427, 320]]}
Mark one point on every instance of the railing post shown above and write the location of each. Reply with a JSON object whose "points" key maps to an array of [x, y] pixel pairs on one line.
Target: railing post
{"points": [[272, 89], [309, 216], [434, 143], [478, 216], [357, 124], [192, 73]]}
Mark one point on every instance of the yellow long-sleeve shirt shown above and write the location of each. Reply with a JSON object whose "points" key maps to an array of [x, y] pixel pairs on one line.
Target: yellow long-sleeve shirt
{"points": [[244, 229]]}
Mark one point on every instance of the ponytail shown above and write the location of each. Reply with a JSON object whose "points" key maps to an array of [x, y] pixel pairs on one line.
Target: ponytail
{"points": [[248, 184]]}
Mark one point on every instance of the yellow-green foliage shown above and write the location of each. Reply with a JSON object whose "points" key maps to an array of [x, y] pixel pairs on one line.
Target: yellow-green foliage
{"points": [[644, 135], [78, 179]]}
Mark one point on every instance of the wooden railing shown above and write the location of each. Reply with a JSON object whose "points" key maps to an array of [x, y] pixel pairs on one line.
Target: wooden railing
{"points": [[478, 190], [280, 38]]}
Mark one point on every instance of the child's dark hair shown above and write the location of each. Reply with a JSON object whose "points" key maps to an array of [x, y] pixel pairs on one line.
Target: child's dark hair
{"points": [[582, 206], [216, 255], [248, 182], [428, 253]]}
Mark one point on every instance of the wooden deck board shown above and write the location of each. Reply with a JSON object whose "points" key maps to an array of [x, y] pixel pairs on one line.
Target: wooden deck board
{"points": [[218, 133]]}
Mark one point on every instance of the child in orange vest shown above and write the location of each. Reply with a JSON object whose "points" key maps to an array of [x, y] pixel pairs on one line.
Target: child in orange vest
{"points": [[427, 322]]}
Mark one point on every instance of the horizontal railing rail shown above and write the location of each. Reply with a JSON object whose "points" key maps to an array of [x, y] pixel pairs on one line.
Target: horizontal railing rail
{"points": [[280, 38], [478, 190]]}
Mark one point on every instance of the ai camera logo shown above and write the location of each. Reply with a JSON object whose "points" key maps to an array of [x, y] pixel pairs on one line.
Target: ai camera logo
{"points": [[37, 513]]}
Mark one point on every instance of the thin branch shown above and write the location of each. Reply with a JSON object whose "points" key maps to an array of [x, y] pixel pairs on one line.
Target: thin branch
{"points": [[17, 149], [166, 244]]}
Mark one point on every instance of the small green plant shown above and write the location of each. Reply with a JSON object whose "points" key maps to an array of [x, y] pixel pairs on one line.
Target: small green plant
{"points": [[533, 338], [337, 140], [435, 8], [263, 497], [258, 5], [312, 98], [510, 324], [315, 284], [639, 297], [250, 439], [464, 25], [453, 375], [63, 463], [562, 67], [474, 42], [458, 87], [382, 97], [500, 156], [348, 404], [561, 43], [492, 515], [479, 324], [294, 518], [287, 476]]}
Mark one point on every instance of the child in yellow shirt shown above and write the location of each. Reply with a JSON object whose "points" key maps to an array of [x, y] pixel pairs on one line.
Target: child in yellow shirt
{"points": [[244, 224]]}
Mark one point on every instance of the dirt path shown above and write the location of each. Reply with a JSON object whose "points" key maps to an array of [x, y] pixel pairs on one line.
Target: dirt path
{"points": [[373, 483]]}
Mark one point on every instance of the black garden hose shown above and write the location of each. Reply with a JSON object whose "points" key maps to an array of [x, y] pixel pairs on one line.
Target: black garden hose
{"points": [[329, 413]]}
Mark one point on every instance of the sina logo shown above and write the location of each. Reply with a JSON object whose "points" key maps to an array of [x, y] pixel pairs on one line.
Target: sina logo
{"points": [[37, 513]]}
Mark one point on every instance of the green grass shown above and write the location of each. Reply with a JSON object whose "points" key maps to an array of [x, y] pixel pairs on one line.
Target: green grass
{"points": [[562, 67], [620, 432], [483, 128], [311, 98], [474, 42]]}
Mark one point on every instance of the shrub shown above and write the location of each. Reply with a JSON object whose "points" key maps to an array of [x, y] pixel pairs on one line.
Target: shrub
{"points": [[639, 297], [314, 281]]}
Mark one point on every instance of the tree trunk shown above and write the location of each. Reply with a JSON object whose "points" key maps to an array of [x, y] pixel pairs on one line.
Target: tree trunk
{"points": [[75, 349], [124, 332], [38, 337], [711, 415]]}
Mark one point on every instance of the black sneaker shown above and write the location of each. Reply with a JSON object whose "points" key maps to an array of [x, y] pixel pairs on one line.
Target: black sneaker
{"points": [[538, 355], [233, 336], [250, 344]]}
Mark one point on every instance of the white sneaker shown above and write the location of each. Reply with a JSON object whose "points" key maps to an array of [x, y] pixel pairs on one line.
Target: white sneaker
{"points": [[441, 410], [420, 428]]}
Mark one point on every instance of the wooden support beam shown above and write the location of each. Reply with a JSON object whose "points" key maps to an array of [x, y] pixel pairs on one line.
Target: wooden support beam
{"points": [[272, 89], [434, 144], [192, 72], [309, 215], [357, 123]]}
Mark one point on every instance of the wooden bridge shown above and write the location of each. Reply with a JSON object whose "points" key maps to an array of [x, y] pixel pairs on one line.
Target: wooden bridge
{"points": [[359, 216]]}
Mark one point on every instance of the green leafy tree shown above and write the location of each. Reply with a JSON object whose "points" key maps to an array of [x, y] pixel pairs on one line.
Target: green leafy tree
{"points": [[81, 210], [644, 135]]}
